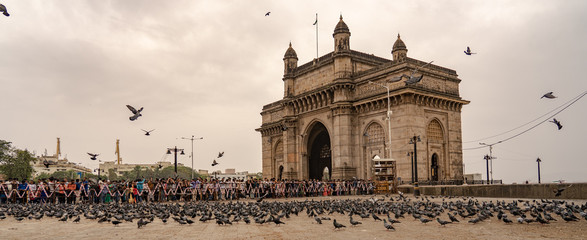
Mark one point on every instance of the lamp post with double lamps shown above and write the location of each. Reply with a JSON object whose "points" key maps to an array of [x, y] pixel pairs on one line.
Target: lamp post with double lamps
{"points": [[175, 150]]}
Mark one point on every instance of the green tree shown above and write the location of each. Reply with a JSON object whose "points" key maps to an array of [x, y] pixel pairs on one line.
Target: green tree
{"points": [[112, 176], [69, 174], [15, 163], [43, 176]]}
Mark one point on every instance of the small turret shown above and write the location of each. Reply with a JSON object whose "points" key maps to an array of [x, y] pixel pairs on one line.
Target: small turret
{"points": [[290, 60], [399, 50], [341, 36], [290, 63]]}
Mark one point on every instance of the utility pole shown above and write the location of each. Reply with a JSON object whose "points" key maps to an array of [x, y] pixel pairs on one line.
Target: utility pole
{"points": [[487, 158], [491, 157], [538, 161], [192, 139]]}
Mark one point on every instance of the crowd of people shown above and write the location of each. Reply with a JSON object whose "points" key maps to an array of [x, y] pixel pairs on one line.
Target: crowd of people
{"points": [[171, 189]]}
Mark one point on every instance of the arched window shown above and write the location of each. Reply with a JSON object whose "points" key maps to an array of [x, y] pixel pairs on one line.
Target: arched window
{"points": [[374, 134], [434, 131]]}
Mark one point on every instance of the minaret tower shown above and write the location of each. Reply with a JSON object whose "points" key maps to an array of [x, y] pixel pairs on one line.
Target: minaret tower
{"points": [[290, 63]]}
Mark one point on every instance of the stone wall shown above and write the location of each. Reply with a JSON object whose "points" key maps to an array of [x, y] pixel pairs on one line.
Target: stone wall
{"points": [[537, 191]]}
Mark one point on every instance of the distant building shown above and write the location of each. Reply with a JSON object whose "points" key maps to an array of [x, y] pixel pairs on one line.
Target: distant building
{"points": [[120, 169], [51, 164], [473, 177], [232, 174]]}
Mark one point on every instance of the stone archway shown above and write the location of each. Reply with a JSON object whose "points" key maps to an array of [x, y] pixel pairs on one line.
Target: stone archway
{"points": [[319, 152], [434, 167], [280, 172]]}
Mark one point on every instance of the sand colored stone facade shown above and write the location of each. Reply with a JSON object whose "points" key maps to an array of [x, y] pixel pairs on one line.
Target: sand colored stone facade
{"points": [[332, 120]]}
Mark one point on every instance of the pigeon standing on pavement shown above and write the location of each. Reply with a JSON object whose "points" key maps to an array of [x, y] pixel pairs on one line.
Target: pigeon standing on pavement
{"points": [[337, 225]]}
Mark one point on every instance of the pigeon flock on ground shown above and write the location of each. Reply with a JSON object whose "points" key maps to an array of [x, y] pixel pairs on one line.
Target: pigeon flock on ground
{"points": [[387, 211]]}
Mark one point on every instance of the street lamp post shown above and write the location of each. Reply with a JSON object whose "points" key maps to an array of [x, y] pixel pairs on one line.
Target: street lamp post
{"points": [[412, 160], [491, 157], [388, 116], [414, 140], [175, 150], [192, 139], [538, 161]]}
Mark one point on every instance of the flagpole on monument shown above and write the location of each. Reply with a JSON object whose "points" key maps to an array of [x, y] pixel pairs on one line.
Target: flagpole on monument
{"points": [[316, 24]]}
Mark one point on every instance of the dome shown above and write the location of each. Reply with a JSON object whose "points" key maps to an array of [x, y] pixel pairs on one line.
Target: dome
{"points": [[341, 27], [290, 53], [399, 44]]}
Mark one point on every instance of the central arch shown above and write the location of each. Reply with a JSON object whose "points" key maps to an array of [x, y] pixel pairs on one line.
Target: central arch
{"points": [[319, 157]]}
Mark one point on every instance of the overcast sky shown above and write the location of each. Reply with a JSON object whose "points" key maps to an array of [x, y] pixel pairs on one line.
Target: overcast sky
{"points": [[206, 68]]}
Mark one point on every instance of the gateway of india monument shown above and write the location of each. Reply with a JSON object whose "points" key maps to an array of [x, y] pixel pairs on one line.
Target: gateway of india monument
{"points": [[332, 122]]}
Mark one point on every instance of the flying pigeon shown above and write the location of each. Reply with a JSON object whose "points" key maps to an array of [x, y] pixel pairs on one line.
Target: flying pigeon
{"points": [[559, 191], [214, 163], [47, 163], [396, 79], [558, 123], [147, 133], [267, 14], [548, 95], [136, 113], [220, 154], [4, 10], [413, 79], [93, 156], [468, 52]]}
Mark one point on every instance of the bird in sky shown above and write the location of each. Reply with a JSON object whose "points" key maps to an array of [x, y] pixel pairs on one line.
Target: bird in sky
{"points": [[413, 79], [558, 123], [47, 163], [214, 163], [559, 191], [468, 52], [93, 156], [4, 10], [220, 154], [136, 114], [548, 95], [267, 14], [147, 133]]}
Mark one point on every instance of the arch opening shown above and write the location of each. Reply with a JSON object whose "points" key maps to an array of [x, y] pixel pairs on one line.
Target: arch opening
{"points": [[319, 149]]}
